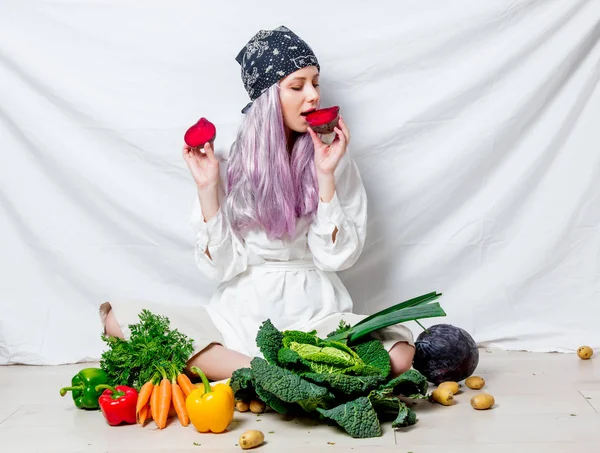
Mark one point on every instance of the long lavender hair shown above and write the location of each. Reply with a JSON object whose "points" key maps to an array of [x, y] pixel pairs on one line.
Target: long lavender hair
{"points": [[266, 187]]}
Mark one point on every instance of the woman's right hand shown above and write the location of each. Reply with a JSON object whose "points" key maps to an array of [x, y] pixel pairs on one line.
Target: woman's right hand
{"points": [[203, 165]]}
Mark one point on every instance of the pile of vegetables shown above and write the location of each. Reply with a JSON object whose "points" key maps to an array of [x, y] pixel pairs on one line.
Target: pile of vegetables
{"points": [[344, 378], [153, 361], [142, 379]]}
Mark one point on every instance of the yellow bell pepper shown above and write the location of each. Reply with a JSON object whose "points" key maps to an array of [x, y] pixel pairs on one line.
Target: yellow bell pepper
{"points": [[210, 408]]}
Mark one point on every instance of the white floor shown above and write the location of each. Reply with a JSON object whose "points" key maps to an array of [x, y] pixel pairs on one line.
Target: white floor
{"points": [[545, 403]]}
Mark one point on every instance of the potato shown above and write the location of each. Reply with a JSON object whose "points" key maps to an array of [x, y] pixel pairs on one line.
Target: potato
{"points": [[251, 439], [453, 386], [256, 406], [585, 352], [482, 401], [443, 396], [242, 406], [475, 382]]}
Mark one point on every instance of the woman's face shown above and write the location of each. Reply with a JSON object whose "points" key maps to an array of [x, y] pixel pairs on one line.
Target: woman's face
{"points": [[299, 94]]}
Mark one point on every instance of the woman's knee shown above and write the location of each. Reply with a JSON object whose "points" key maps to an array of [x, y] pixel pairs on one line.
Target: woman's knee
{"points": [[401, 357]]}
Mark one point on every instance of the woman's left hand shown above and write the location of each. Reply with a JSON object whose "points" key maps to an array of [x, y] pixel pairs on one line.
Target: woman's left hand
{"points": [[327, 157]]}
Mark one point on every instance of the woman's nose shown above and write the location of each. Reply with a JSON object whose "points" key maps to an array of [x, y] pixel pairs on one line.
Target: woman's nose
{"points": [[312, 94]]}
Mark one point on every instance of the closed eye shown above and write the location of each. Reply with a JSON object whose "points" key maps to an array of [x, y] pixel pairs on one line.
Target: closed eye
{"points": [[316, 85]]}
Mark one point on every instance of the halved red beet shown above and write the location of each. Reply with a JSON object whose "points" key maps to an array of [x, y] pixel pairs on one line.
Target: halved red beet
{"points": [[323, 121], [200, 133]]}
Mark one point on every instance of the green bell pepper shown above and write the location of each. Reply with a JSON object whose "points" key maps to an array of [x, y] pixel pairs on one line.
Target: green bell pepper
{"points": [[83, 386]]}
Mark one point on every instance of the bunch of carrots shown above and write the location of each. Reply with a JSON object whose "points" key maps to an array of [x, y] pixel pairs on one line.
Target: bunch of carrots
{"points": [[168, 388]]}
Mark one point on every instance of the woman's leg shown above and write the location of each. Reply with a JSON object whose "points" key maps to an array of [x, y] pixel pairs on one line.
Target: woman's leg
{"points": [[216, 361], [219, 362], [111, 326], [401, 357]]}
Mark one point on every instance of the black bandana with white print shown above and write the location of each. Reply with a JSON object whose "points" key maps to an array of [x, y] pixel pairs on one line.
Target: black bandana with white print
{"points": [[271, 55]]}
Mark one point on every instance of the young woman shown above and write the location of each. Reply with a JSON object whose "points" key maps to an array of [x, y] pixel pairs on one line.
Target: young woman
{"points": [[274, 222]]}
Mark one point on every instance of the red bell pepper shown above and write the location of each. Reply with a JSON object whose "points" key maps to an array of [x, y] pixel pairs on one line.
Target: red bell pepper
{"points": [[118, 404]]}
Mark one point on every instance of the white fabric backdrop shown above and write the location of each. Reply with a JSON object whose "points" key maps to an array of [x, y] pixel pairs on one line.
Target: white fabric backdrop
{"points": [[475, 127]]}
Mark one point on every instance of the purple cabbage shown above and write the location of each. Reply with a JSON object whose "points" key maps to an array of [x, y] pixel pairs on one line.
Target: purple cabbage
{"points": [[445, 353]]}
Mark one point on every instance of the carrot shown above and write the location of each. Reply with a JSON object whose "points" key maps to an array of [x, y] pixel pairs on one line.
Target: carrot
{"points": [[154, 403], [179, 403], [144, 415], [172, 411], [185, 384], [164, 401], [143, 397]]}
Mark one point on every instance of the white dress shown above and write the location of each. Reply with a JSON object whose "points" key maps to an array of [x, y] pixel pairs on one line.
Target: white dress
{"points": [[290, 281]]}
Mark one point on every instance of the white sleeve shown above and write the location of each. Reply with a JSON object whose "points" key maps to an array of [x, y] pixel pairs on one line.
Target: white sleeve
{"points": [[347, 211], [228, 253]]}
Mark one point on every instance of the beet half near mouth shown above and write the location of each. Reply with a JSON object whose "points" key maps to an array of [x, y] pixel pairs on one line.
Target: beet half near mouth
{"points": [[200, 133], [323, 121]]}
